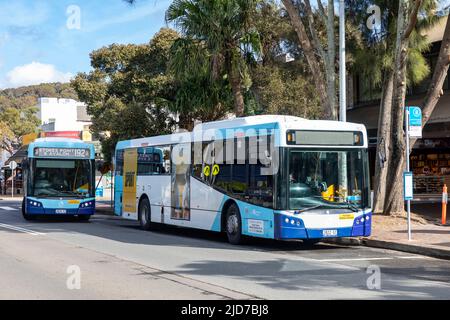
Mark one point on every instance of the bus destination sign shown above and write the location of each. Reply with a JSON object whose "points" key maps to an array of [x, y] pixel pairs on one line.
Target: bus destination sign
{"points": [[62, 153]]}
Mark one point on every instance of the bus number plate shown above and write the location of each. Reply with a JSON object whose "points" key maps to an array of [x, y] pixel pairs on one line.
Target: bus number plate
{"points": [[329, 233], [61, 211]]}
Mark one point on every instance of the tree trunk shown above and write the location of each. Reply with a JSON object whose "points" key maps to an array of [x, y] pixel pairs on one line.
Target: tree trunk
{"points": [[236, 86], [383, 143], [314, 65], [394, 204], [439, 75]]}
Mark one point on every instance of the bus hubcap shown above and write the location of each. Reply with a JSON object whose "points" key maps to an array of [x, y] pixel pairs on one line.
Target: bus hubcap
{"points": [[232, 225]]}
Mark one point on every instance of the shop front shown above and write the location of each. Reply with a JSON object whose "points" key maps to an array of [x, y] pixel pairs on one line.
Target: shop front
{"points": [[430, 163]]}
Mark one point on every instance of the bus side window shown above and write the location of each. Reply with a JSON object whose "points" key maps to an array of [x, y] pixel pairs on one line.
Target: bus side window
{"points": [[119, 163], [202, 161]]}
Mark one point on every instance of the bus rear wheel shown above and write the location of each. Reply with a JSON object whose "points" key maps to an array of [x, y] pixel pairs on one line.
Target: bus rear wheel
{"points": [[233, 225], [145, 214]]}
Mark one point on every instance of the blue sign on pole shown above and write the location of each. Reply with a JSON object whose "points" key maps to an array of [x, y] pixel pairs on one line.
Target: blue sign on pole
{"points": [[415, 122], [415, 116]]}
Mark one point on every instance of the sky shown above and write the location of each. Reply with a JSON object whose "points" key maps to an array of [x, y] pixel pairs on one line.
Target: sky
{"points": [[50, 40]]}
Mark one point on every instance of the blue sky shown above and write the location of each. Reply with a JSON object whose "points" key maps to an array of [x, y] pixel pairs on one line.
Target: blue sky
{"points": [[36, 44]]}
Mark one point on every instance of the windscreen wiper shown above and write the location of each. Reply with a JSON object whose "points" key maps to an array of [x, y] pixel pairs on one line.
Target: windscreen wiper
{"points": [[352, 206], [311, 208]]}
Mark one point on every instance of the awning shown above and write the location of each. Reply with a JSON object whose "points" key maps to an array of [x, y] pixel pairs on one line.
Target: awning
{"points": [[18, 156]]}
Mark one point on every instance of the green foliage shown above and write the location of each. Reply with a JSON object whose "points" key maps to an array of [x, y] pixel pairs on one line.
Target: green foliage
{"points": [[373, 56], [281, 91], [18, 110], [129, 93], [224, 34]]}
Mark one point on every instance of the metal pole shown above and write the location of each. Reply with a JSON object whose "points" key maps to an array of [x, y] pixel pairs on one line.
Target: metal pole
{"points": [[12, 183], [342, 160], [342, 72], [408, 202]]}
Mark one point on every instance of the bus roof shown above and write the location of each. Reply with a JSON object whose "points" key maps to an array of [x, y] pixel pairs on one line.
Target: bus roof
{"points": [[280, 122]]}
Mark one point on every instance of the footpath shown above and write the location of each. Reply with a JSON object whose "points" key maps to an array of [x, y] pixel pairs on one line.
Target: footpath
{"points": [[428, 236]]}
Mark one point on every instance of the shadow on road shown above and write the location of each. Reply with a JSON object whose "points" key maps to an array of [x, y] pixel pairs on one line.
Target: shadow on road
{"points": [[117, 229]]}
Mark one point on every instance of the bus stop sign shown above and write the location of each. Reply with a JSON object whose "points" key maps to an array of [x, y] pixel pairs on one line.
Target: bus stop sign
{"points": [[415, 122]]}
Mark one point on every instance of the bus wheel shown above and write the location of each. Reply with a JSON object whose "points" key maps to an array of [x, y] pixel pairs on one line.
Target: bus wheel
{"points": [[144, 214], [28, 217], [84, 217], [233, 225]]}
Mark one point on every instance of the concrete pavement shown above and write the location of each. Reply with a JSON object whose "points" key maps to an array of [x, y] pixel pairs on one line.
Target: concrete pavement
{"points": [[119, 261]]}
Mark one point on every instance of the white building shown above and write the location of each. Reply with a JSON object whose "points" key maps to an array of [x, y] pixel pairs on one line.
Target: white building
{"points": [[62, 115]]}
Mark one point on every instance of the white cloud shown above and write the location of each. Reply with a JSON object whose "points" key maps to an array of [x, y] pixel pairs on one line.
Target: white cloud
{"points": [[35, 73]]}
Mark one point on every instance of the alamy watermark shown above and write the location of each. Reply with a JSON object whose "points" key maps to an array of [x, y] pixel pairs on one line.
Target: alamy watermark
{"points": [[374, 280], [73, 13], [73, 281]]}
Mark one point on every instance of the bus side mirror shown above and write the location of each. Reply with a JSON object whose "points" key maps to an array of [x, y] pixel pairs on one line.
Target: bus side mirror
{"points": [[25, 164]]}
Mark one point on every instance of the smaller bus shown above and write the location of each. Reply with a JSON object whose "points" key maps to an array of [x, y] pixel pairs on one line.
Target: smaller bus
{"points": [[59, 179]]}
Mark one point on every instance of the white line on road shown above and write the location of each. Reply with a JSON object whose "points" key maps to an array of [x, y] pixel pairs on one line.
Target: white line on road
{"points": [[8, 208], [372, 259], [15, 228]]}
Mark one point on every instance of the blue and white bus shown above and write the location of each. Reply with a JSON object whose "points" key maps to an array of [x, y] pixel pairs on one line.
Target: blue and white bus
{"points": [[277, 177], [59, 178]]}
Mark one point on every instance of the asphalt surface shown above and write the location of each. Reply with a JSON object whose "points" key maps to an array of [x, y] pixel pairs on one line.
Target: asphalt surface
{"points": [[114, 259]]}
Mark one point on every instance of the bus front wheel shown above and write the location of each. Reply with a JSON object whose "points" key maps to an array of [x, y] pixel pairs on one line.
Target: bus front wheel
{"points": [[233, 225], [144, 214], [84, 217]]}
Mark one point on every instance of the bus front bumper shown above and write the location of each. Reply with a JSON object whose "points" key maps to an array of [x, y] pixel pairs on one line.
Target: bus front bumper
{"points": [[59, 207], [298, 226]]}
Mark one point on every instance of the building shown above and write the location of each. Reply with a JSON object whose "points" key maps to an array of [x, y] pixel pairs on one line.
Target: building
{"points": [[430, 157], [59, 118], [62, 115]]}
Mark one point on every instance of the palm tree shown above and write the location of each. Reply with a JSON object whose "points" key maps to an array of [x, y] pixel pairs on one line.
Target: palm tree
{"points": [[224, 27]]}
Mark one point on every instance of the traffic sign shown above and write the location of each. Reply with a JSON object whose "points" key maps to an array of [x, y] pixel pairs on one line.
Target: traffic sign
{"points": [[415, 122], [13, 165]]}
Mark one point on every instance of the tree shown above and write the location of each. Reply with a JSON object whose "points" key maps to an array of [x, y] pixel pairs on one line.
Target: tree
{"points": [[129, 92], [14, 124], [321, 61], [438, 79], [201, 94], [225, 28], [397, 44]]}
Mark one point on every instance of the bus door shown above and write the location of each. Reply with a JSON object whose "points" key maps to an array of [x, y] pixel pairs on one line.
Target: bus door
{"points": [[129, 206], [180, 182]]}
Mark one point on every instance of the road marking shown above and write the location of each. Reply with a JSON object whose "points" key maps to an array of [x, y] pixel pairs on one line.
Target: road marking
{"points": [[354, 259], [15, 228], [8, 208], [372, 259], [413, 257]]}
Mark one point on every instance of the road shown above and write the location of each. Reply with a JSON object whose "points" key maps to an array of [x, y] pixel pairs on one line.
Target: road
{"points": [[110, 258]]}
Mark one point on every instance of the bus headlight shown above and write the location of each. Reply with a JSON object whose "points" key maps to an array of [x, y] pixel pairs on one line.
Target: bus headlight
{"points": [[34, 203], [87, 204]]}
